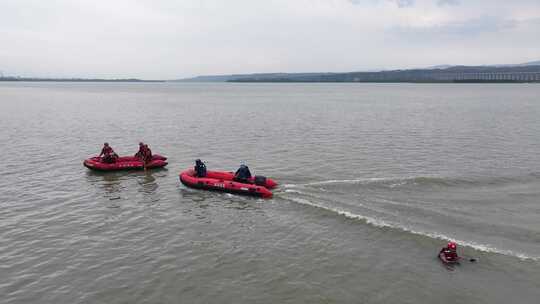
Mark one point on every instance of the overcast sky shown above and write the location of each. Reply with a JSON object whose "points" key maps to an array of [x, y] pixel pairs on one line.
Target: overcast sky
{"points": [[167, 39]]}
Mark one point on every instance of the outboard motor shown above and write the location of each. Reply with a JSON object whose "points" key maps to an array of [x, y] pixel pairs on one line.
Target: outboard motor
{"points": [[260, 180]]}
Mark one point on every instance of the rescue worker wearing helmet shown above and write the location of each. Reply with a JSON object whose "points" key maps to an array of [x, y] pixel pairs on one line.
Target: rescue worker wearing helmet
{"points": [[107, 154], [242, 174], [450, 252], [200, 168]]}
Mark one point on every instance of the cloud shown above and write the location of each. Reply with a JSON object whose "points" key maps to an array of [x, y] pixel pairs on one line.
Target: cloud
{"points": [[447, 2], [459, 29], [173, 38], [404, 3], [399, 3], [476, 26]]}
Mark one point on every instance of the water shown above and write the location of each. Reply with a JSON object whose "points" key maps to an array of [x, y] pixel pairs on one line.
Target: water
{"points": [[374, 179]]}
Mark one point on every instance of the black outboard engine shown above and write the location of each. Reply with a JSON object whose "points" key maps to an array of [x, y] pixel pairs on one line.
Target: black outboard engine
{"points": [[260, 180]]}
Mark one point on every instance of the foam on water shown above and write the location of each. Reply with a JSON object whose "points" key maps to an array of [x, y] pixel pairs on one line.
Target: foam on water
{"points": [[293, 191], [349, 181], [427, 181], [381, 223]]}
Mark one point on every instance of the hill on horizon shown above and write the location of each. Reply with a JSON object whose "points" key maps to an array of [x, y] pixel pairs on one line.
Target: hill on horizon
{"points": [[270, 76]]}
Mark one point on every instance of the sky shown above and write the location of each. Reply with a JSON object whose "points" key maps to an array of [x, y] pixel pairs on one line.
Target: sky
{"points": [[171, 39]]}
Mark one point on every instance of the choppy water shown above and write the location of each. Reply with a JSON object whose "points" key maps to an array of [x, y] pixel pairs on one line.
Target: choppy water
{"points": [[374, 178]]}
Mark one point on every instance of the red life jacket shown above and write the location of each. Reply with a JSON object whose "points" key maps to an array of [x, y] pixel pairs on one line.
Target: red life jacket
{"points": [[106, 150], [140, 153], [147, 154], [449, 254]]}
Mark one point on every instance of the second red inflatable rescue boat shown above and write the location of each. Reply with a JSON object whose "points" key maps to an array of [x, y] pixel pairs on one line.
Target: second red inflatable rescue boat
{"points": [[223, 181], [124, 163]]}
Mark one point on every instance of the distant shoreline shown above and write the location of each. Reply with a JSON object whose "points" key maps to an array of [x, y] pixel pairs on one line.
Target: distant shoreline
{"points": [[367, 81], [16, 79], [522, 73], [5, 79]]}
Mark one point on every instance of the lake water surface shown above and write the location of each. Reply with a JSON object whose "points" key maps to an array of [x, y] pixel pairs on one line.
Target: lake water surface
{"points": [[374, 179]]}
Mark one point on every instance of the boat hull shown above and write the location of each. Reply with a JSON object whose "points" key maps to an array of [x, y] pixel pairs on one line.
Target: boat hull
{"points": [[124, 163], [223, 182]]}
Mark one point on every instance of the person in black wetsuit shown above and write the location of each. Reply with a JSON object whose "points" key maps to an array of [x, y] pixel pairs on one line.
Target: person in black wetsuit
{"points": [[242, 174], [200, 168]]}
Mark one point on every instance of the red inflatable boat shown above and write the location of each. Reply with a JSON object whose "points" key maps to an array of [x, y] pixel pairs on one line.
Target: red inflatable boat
{"points": [[124, 163], [223, 181]]}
